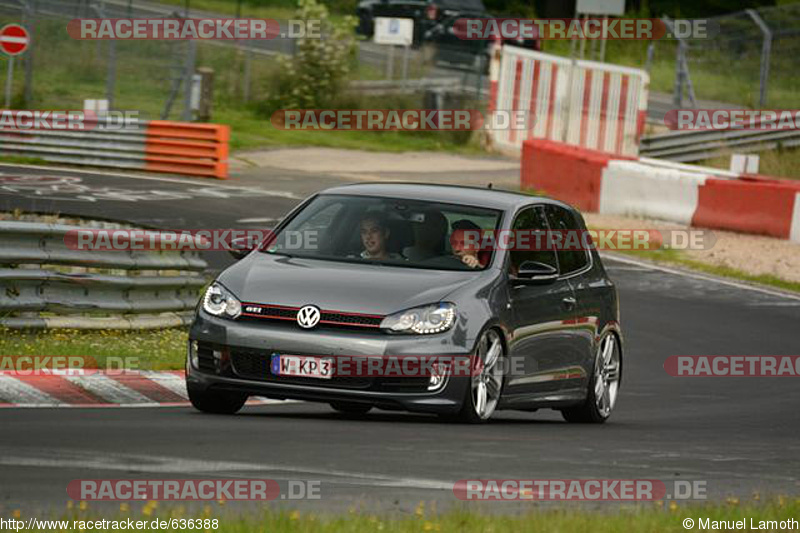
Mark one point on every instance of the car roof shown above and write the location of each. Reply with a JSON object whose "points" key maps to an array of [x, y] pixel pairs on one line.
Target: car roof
{"points": [[454, 194]]}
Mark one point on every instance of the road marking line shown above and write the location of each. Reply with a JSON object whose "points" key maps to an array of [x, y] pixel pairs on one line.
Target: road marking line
{"points": [[738, 285], [184, 181], [177, 465]]}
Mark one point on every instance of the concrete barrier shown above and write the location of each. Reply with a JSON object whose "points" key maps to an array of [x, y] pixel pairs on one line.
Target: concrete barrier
{"points": [[698, 196]]}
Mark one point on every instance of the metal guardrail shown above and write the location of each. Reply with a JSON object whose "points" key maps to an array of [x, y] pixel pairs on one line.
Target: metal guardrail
{"points": [[44, 283], [154, 146], [377, 87], [688, 146]]}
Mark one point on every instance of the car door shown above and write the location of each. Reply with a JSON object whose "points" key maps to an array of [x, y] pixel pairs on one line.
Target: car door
{"points": [[543, 318], [575, 263]]}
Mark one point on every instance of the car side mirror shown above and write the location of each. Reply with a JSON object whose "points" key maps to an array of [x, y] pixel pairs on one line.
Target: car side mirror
{"points": [[535, 273], [241, 246]]}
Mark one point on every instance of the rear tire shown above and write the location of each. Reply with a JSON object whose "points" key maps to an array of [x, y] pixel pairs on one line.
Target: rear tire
{"points": [[217, 403], [603, 387], [351, 408]]}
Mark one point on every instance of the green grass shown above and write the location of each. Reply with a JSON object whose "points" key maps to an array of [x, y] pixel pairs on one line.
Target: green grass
{"points": [[147, 350], [782, 163], [269, 9], [21, 160], [719, 77], [68, 71], [610, 518], [280, 9], [250, 132]]}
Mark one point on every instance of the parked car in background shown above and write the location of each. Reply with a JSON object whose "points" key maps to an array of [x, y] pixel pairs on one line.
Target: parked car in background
{"points": [[434, 23], [427, 14]]}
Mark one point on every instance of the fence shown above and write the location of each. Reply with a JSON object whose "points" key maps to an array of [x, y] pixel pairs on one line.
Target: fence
{"points": [[46, 284], [153, 146], [751, 62], [149, 76], [582, 103]]}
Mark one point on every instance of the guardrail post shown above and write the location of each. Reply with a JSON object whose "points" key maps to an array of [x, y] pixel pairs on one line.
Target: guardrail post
{"points": [[111, 75], [766, 52], [188, 76], [29, 21]]}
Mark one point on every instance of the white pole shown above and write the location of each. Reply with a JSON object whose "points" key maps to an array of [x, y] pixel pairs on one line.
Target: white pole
{"points": [[390, 63], [9, 80], [405, 64]]}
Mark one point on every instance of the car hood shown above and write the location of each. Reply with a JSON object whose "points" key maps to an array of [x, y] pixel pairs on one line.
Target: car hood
{"points": [[348, 287]]}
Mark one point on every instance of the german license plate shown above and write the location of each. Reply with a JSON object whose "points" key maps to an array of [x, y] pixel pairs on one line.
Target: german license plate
{"points": [[301, 366]]}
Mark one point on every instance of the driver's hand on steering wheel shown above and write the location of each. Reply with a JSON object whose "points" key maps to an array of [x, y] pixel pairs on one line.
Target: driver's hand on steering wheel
{"points": [[471, 261]]}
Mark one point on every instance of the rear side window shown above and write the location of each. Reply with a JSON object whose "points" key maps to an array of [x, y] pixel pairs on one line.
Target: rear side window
{"points": [[563, 220]]}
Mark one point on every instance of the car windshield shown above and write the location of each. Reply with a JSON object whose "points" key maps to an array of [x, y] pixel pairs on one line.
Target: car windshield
{"points": [[391, 231]]}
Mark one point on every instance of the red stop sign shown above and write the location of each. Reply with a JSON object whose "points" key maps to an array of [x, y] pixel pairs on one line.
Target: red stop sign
{"points": [[14, 39]]}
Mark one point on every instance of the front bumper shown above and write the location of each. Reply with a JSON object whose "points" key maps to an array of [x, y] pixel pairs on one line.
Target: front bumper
{"points": [[243, 348]]}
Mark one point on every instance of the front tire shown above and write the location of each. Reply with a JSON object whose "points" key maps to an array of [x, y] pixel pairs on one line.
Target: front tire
{"points": [[486, 380], [603, 387], [218, 403]]}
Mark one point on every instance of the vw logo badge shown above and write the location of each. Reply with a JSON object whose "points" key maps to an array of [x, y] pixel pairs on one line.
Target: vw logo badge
{"points": [[308, 316]]}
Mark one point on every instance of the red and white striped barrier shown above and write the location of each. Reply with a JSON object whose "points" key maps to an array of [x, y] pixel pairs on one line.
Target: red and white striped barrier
{"points": [[93, 388], [582, 103], [697, 196]]}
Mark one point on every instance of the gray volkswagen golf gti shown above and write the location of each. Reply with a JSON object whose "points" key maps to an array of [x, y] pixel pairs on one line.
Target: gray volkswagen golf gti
{"points": [[385, 272]]}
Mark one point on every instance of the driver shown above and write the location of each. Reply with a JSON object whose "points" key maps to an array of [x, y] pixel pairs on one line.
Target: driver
{"points": [[465, 243]]}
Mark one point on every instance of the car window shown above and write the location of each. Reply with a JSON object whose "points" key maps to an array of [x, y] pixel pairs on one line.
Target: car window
{"points": [[531, 219], [397, 231], [563, 221]]}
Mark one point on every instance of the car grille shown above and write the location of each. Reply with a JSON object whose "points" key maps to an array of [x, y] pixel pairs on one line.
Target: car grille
{"points": [[254, 311]]}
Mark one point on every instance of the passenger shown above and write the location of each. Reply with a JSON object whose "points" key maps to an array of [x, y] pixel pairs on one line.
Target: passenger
{"points": [[429, 237], [465, 243], [375, 238]]}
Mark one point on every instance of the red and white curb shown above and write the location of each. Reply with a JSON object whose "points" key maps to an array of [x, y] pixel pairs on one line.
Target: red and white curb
{"points": [[662, 190], [98, 389]]}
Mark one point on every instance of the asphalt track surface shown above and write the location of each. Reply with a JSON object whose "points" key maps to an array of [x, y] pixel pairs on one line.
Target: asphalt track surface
{"points": [[738, 435]]}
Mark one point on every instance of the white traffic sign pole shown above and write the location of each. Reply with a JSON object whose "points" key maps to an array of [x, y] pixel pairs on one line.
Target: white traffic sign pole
{"points": [[9, 80]]}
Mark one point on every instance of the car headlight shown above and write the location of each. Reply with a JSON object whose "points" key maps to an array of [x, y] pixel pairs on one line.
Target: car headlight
{"points": [[219, 301], [426, 319]]}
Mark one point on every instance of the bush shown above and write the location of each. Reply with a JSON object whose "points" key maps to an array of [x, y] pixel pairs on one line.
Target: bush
{"points": [[315, 75]]}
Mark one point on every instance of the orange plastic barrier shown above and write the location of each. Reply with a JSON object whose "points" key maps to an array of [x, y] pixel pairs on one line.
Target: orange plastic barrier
{"points": [[187, 148]]}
